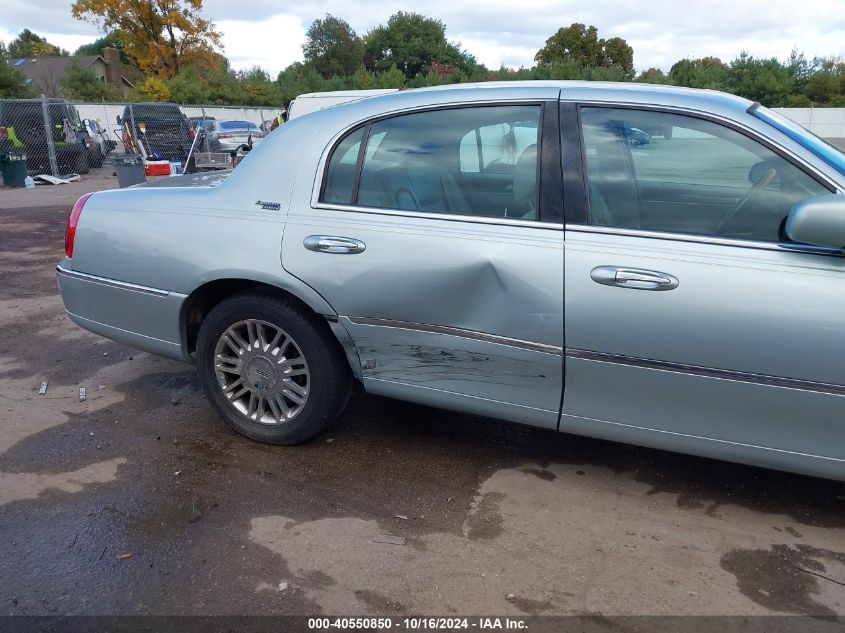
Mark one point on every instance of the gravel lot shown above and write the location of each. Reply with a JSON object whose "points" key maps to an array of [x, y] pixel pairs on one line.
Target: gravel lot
{"points": [[138, 500]]}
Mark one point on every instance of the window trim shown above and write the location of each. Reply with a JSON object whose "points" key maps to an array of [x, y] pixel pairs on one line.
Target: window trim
{"points": [[554, 221], [584, 226]]}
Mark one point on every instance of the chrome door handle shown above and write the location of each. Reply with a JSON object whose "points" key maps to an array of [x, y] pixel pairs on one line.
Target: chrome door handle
{"points": [[335, 245], [635, 278]]}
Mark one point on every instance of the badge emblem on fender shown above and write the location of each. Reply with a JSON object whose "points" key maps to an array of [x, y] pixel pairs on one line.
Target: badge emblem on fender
{"points": [[270, 206]]}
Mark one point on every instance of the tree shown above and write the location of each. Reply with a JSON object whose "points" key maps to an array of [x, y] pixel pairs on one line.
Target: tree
{"points": [[706, 72], [333, 47], [159, 36], [826, 85], [29, 44], [81, 83], [765, 80], [411, 42], [580, 45], [111, 39], [12, 81], [653, 76], [153, 88]]}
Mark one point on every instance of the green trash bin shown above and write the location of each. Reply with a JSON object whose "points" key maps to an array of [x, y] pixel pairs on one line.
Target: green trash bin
{"points": [[13, 167]]}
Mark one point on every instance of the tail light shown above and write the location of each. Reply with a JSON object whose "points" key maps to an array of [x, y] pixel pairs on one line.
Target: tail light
{"points": [[72, 221], [192, 133], [225, 135]]}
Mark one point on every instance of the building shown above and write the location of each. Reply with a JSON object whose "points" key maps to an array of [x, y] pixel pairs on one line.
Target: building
{"points": [[45, 74]]}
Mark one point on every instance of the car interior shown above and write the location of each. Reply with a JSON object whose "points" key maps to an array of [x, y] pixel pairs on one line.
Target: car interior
{"points": [[470, 161], [701, 178]]}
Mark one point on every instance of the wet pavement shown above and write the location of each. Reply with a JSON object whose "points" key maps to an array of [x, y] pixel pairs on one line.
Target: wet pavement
{"points": [[138, 500]]}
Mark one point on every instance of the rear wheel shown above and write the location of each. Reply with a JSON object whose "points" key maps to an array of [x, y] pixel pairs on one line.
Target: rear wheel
{"points": [[272, 372], [80, 160]]}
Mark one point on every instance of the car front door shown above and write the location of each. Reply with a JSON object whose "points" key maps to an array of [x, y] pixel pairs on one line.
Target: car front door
{"points": [[690, 323], [432, 241]]}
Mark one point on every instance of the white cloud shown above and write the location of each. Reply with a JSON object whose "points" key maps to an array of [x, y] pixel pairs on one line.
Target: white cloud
{"points": [[270, 34], [272, 43]]}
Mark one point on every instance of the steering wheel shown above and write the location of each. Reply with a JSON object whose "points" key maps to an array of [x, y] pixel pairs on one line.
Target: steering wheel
{"points": [[750, 195]]}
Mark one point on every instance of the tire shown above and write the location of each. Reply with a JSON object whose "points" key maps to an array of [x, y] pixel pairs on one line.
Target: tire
{"points": [[80, 161], [265, 371]]}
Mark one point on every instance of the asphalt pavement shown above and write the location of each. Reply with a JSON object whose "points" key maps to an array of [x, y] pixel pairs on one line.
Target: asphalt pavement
{"points": [[138, 500]]}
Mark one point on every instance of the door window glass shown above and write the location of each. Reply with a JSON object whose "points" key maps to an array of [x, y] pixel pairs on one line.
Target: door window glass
{"points": [[340, 172], [666, 172], [441, 162]]}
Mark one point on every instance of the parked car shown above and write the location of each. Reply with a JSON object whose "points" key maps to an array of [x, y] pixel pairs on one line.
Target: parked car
{"points": [[234, 136], [22, 130], [689, 297], [98, 142], [206, 122], [159, 129]]}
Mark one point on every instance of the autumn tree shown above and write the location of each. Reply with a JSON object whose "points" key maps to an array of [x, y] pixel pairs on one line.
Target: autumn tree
{"points": [[29, 44], [333, 47], [159, 36]]}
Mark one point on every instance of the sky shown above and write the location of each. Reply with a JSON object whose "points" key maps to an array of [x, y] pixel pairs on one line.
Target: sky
{"points": [[270, 33]]}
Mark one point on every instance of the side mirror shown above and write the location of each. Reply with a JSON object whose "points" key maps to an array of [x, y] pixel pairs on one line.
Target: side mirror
{"points": [[819, 220], [119, 120]]}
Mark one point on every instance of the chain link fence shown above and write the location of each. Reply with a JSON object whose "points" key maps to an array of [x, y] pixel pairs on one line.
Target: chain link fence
{"points": [[61, 138]]}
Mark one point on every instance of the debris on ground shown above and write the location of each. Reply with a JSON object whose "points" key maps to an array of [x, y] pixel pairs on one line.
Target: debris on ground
{"points": [[42, 179], [82, 394], [390, 540], [401, 516], [124, 556], [329, 440], [43, 388], [510, 596], [175, 401], [283, 586]]}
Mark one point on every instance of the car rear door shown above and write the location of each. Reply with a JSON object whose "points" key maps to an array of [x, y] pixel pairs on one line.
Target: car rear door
{"points": [[449, 283], [690, 324]]}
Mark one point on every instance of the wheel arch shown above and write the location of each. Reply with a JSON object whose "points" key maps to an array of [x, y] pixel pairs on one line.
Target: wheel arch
{"points": [[210, 292]]}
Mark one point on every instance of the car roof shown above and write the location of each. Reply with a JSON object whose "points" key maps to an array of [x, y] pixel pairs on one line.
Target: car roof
{"points": [[710, 101]]}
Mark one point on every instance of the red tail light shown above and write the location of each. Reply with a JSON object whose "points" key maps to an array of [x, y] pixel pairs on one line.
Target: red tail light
{"points": [[72, 221], [191, 133]]}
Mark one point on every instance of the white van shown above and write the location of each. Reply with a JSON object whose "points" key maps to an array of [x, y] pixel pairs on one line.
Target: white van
{"points": [[313, 101]]}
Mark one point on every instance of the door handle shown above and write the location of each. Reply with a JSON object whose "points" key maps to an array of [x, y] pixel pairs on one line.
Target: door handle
{"points": [[635, 278], [334, 245]]}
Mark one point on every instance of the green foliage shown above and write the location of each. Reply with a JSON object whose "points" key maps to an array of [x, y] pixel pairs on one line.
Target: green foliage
{"points": [[96, 47], [411, 51], [187, 87], [29, 44], [412, 42], [579, 46], [765, 80], [81, 83], [333, 47], [653, 76], [707, 72], [12, 81]]}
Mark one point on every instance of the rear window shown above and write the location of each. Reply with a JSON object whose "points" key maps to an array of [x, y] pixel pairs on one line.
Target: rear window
{"points": [[238, 125]]}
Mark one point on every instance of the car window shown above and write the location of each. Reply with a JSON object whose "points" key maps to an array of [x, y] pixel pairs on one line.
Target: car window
{"points": [[496, 147], [340, 171], [423, 162], [661, 171]]}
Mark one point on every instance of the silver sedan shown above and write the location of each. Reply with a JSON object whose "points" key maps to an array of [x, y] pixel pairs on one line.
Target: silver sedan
{"points": [[510, 250]]}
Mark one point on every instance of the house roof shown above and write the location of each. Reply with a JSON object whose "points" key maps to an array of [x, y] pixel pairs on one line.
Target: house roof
{"points": [[45, 71]]}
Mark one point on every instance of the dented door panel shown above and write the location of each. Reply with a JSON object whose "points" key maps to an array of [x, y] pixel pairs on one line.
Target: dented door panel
{"points": [[461, 307]]}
